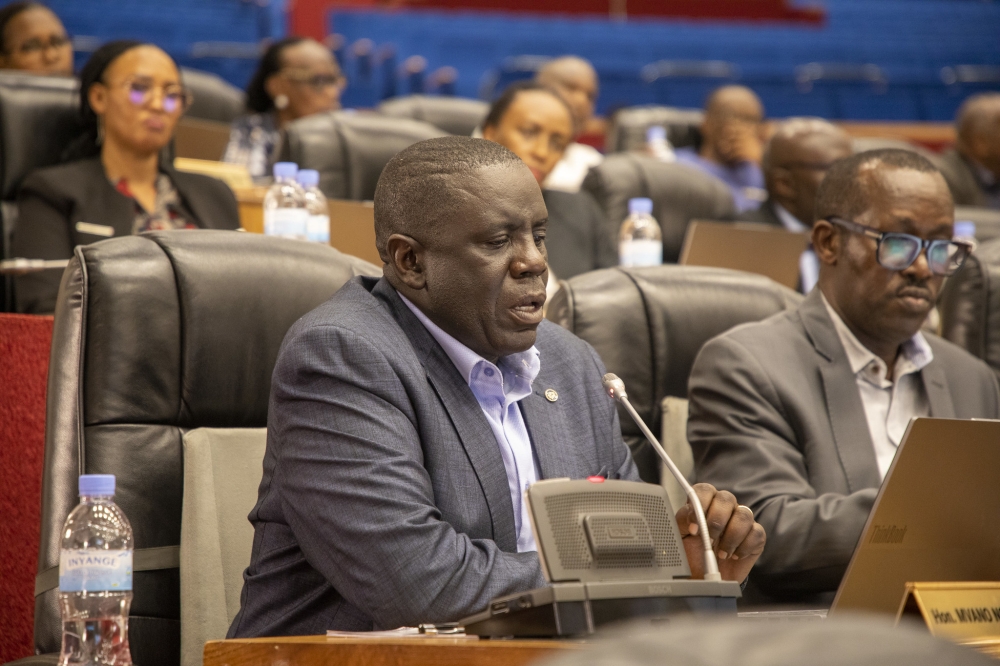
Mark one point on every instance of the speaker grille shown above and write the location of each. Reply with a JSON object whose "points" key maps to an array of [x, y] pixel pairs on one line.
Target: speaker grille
{"points": [[566, 513]]}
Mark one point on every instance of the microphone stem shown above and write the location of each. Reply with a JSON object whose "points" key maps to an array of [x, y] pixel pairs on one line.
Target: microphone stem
{"points": [[711, 564]]}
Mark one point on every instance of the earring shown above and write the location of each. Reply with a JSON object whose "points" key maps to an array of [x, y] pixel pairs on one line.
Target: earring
{"points": [[281, 101]]}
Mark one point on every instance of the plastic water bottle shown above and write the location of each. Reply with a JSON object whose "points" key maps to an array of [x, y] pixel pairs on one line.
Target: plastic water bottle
{"points": [[318, 224], [95, 578], [640, 241], [285, 211], [657, 144]]}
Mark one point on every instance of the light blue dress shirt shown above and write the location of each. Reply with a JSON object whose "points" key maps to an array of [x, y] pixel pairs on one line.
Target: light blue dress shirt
{"points": [[498, 388], [808, 261]]}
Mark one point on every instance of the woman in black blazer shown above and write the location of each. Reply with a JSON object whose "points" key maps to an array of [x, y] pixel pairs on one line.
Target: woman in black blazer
{"points": [[131, 98]]}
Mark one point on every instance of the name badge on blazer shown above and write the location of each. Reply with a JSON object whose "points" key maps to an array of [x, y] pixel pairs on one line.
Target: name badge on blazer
{"points": [[95, 229]]}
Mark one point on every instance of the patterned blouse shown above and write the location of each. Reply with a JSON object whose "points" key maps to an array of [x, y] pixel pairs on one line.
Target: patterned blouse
{"points": [[252, 141], [169, 212]]}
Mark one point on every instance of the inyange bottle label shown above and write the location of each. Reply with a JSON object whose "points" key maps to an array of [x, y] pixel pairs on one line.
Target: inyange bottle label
{"points": [[95, 570]]}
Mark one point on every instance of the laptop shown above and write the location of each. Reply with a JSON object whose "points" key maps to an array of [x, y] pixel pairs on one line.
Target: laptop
{"points": [[936, 516], [745, 246]]}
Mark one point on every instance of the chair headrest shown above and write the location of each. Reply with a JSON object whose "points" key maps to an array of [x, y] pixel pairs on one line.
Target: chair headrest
{"points": [[184, 327], [214, 97], [970, 305], [629, 125], [350, 149], [680, 194], [39, 117], [455, 115], [648, 324]]}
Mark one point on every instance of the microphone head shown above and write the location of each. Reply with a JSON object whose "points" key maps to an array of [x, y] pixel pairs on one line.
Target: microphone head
{"points": [[614, 386]]}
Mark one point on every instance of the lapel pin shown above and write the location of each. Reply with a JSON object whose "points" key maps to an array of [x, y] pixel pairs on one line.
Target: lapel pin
{"points": [[551, 395]]}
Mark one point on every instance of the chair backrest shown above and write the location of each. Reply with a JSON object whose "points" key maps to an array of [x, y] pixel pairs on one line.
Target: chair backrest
{"points": [[680, 194], [155, 335], [214, 97], [222, 471], [970, 305], [39, 117], [629, 125], [350, 149], [648, 324], [455, 115]]}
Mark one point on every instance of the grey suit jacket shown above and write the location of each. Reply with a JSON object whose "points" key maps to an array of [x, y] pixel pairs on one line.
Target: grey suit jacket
{"points": [[384, 500], [578, 237], [763, 215], [961, 178], [776, 417]]}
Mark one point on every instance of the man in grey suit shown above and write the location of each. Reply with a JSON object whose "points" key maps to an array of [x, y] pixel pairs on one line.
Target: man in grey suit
{"points": [[408, 414], [972, 167], [800, 415]]}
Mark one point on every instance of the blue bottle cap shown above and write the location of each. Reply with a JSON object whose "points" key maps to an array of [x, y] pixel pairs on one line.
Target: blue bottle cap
{"points": [[965, 229], [97, 485], [308, 177], [640, 205], [285, 169], [656, 133]]}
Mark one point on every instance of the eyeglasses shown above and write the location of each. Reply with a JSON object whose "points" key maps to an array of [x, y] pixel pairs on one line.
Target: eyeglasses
{"points": [[317, 82], [175, 97], [897, 252], [36, 45]]}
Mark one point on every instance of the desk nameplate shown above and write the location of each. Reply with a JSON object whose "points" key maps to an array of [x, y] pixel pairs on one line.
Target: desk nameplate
{"points": [[962, 611]]}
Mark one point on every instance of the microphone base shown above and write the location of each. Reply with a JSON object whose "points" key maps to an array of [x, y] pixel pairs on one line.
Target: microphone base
{"points": [[568, 610]]}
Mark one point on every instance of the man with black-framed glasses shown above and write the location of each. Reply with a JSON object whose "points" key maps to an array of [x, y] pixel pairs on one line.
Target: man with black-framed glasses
{"points": [[800, 415]]}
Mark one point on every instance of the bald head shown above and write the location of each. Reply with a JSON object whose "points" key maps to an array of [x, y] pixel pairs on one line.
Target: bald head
{"points": [[979, 130], [732, 129], [796, 159], [576, 80], [425, 184], [734, 101]]}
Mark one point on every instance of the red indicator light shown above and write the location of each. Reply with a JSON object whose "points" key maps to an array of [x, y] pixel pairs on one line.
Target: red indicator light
{"points": [[595, 479]]}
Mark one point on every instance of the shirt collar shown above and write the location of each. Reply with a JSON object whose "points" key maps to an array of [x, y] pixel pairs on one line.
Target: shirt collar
{"points": [[524, 365], [915, 353], [788, 221]]}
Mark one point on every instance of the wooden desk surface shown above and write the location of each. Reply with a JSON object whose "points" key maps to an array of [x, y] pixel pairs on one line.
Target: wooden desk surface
{"points": [[323, 651]]}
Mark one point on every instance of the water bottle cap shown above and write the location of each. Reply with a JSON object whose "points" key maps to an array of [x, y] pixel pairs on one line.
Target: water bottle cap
{"points": [[965, 229], [656, 133], [308, 177], [640, 205], [285, 169], [97, 485]]}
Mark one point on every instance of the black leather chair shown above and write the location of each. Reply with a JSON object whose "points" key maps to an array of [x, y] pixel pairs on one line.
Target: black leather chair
{"points": [[39, 116], [648, 324], [455, 115], [155, 335], [350, 149], [629, 125], [987, 221], [680, 194], [969, 305], [214, 98]]}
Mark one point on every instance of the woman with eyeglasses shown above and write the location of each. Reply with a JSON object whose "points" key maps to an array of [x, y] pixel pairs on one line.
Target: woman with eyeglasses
{"points": [[33, 40], [297, 77], [117, 182]]}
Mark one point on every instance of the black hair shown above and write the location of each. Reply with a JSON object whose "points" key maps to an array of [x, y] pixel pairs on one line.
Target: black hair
{"points": [[418, 186], [258, 100], [846, 192], [86, 144], [500, 105], [7, 15]]}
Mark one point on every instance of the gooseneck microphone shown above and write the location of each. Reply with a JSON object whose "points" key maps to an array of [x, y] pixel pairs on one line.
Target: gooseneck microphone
{"points": [[616, 389]]}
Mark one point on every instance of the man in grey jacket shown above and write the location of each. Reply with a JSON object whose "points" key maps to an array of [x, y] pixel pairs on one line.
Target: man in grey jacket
{"points": [[408, 415], [800, 415]]}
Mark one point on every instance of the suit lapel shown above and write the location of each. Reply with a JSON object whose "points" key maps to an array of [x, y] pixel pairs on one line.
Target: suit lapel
{"points": [[466, 416], [546, 426], [843, 402], [938, 395]]}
